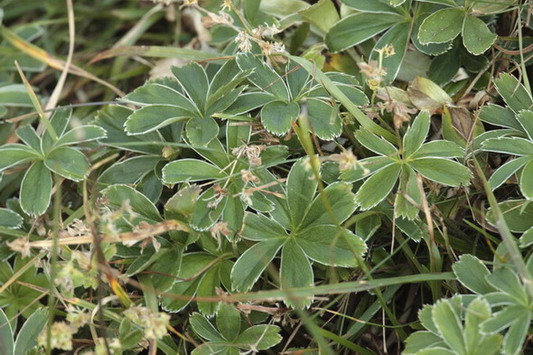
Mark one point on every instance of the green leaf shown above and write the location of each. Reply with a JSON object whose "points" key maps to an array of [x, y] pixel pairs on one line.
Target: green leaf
{"points": [[513, 92], [27, 336], [478, 311], [36, 189], [208, 210], [439, 149], [295, 271], [517, 213], [204, 328], [207, 288], [159, 94], [507, 145], [263, 77], [341, 200], [357, 28], [259, 337], [252, 263], [398, 37], [28, 135], [228, 321], [517, 333], [225, 80], [442, 26], [373, 6], [426, 95], [301, 187], [376, 144], [526, 121], [237, 135], [116, 195], [193, 80], [248, 102], [10, 219], [323, 15], [200, 131], [502, 319], [408, 197], [499, 116], [259, 227], [416, 134], [443, 171], [426, 319], [365, 168], [324, 118], [477, 37], [331, 245], [277, 116], [507, 281], [526, 180], [377, 187], [151, 118], [128, 171], [6, 334], [81, 134], [447, 322], [471, 272], [419, 341], [527, 238], [15, 154], [68, 162], [190, 170]]}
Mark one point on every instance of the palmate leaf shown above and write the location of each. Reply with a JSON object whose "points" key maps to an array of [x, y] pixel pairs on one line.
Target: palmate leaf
{"points": [[150, 118], [277, 116], [263, 77], [195, 84]]}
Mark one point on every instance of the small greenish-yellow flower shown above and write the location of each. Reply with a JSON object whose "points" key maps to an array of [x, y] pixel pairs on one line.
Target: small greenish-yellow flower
{"points": [[60, 336], [154, 324], [388, 50], [114, 346]]}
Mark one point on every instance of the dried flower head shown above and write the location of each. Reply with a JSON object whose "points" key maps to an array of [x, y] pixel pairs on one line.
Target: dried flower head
{"points": [[266, 31], [243, 39], [251, 152], [154, 324], [270, 48], [219, 230], [60, 336], [21, 245], [247, 177], [346, 160]]}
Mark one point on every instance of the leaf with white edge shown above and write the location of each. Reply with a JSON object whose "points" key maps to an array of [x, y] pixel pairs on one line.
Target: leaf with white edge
{"points": [[228, 321], [517, 334], [375, 144], [200, 131], [471, 272], [208, 210], [325, 120], [295, 271], [372, 6], [517, 213], [426, 95], [397, 37], [408, 197], [508, 145], [263, 77], [341, 200], [81, 134], [259, 337], [297, 79], [59, 122], [10, 219], [207, 288], [278, 116], [416, 134], [503, 319], [225, 80], [507, 281], [193, 80], [190, 170], [526, 239], [301, 187], [116, 195], [513, 92], [258, 227], [525, 118], [499, 116], [477, 311], [128, 171], [15, 154], [365, 168], [252, 263], [421, 340], [36, 189], [357, 28], [331, 245], [68, 162], [151, 118], [204, 328], [477, 37], [249, 101], [6, 334], [377, 187], [442, 26], [159, 94], [426, 319], [439, 149], [526, 180], [323, 15], [27, 335], [28, 135], [447, 322], [443, 171]]}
